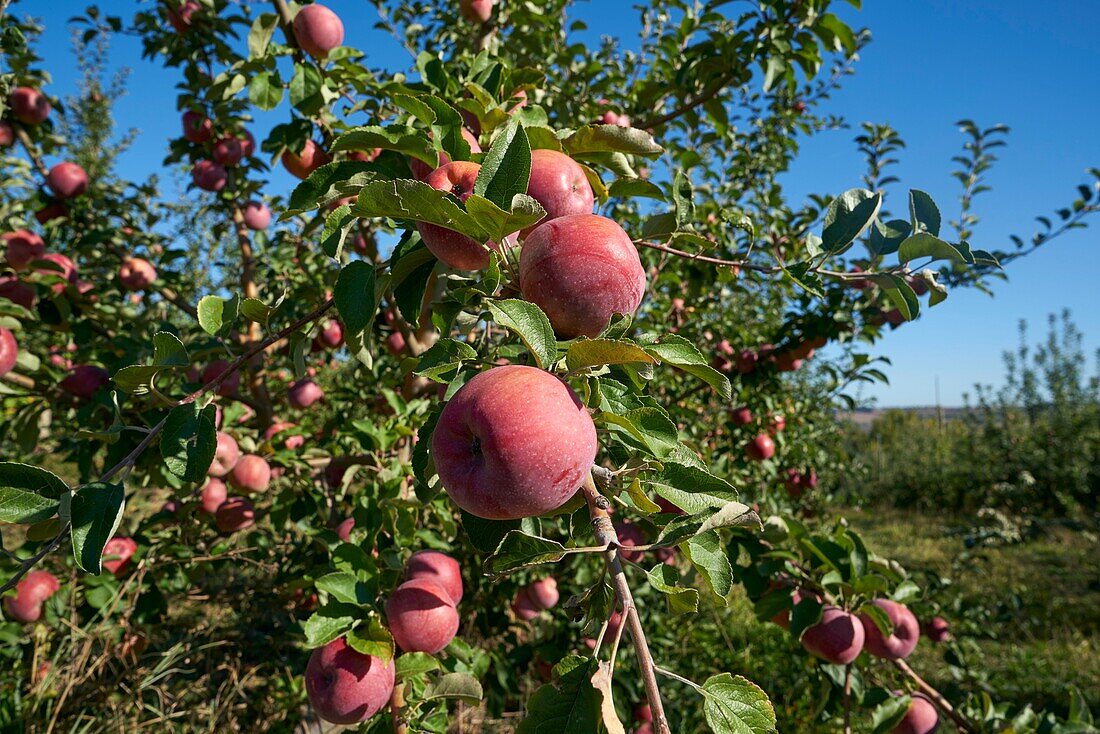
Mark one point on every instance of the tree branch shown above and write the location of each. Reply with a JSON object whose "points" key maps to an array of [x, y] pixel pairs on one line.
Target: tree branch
{"points": [[937, 698]]}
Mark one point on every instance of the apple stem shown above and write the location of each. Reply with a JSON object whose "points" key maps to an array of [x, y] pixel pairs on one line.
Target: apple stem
{"points": [[937, 698], [397, 702], [606, 535]]}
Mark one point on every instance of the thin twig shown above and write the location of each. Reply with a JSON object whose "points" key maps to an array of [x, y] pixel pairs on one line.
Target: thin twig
{"points": [[937, 698]]}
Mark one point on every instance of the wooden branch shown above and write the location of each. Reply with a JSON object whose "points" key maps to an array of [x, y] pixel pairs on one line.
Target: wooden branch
{"points": [[937, 698]]}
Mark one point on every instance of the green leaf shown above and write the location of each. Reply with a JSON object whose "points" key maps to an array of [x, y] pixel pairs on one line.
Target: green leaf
{"points": [[500, 223], [256, 310], [413, 664], [486, 535], [95, 514], [372, 638], [900, 293], [259, 36], [519, 550], [684, 355], [708, 555], [691, 488], [266, 90], [732, 514], [443, 359], [29, 494], [889, 713], [847, 217], [530, 324], [629, 188], [345, 587], [611, 139], [735, 705], [329, 622], [927, 245], [217, 315], [189, 441], [506, 167], [305, 87], [168, 351], [462, 686], [404, 140], [327, 184], [886, 237], [665, 579], [418, 202], [355, 297], [569, 704], [923, 213], [584, 353], [650, 426]]}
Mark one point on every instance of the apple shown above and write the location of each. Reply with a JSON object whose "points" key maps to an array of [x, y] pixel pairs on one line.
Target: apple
{"points": [[741, 416], [783, 618], [197, 127], [581, 270], [213, 494], [421, 170], [746, 361], [236, 513], [67, 180], [395, 343], [181, 17], [85, 380], [214, 370], [256, 215], [437, 567], [29, 105], [227, 152], [345, 686], [251, 474], [894, 317], [497, 463], [343, 530], [421, 616], [837, 638], [544, 592], [456, 250], [331, 335], [761, 448], [898, 644], [18, 292], [52, 210], [209, 176], [7, 134], [304, 393], [136, 274], [937, 629], [60, 267], [292, 442], [523, 607], [476, 11], [630, 535], [117, 554], [9, 351], [559, 184], [225, 456], [23, 246], [31, 590], [642, 713], [306, 161], [921, 718], [318, 30], [777, 424], [787, 362]]}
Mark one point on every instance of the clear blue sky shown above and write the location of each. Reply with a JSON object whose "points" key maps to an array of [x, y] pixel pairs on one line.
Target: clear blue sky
{"points": [[932, 62]]}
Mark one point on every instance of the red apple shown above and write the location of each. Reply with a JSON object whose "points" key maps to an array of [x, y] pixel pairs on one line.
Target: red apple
{"points": [[85, 380], [181, 16], [559, 184], [227, 152], [67, 180], [214, 493], [7, 134], [23, 246], [52, 210], [629, 536], [777, 424], [225, 456], [60, 267], [31, 590], [937, 629], [523, 606], [454, 249], [18, 292], [137, 274], [306, 161], [497, 463], [318, 30], [421, 170], [921, 718], [256, 215], [236, 513], [345, 686], [395, 343], [209, 176], [29, 105], [741, 416], [251, 474], [343, 530], [331, 335], [544, 592], [787, 362], [214, 370], [292, 442], [437, 567], [746, 361], [898, 644], [837, 638], [303, 394], [476, 11], [421, 616], [760, 448], [9, 351], [581, 270], [117, 554], [197, 127]]}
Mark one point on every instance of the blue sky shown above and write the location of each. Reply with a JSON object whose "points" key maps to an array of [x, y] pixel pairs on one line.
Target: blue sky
{"points": [[1028, 65]]}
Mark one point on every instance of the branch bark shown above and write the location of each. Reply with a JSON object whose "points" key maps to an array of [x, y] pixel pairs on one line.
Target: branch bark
{"points": [[606, 535], [937, 698]]}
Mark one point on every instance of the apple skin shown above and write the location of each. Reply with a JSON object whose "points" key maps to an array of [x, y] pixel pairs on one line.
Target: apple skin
{"points": [[63, 268], [122, 547], [439, 568], [257, 216], [227, 152], [497, 463], [236, 513], [346, 686], [18, 292], [629, 536], [67, 180], [181, 17], [746, 361], [209, 176], [559, 184], [760, 448], [421, 616], [85, 380], [937, 629], [31, 590], [902, 641], [331, 335], [421, 170], [29, 105], [742, 416], [838, 638], [52, 210], [251, 474], [214, 370], [292, 442], [9, 350], [524, 607], [23, 246], [7, 134], [318, 30], [307, 161], [214, 493], [581, 270], [304, 393], [476, 11], [395, 343], [226, 456], [137, 274], [456, 250], [777, 424], [544, 593], [343, 530], [921, 718], [197, 127]]}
